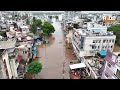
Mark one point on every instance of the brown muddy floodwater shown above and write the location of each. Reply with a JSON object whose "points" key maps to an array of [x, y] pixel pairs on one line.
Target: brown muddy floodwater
{"points": [[116, 48], [54, 54]]}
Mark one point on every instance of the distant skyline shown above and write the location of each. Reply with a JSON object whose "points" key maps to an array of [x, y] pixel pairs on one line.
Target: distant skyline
{"points": [[84, 12]]}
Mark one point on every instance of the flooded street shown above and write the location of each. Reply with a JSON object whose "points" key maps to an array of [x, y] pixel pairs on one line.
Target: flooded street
{"points": [[54, 54]]}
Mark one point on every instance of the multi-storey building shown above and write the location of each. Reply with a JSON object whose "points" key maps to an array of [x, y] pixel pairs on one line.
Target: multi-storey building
{"points": [[8, 60], [107, 67], [89, 41], [109, 19], [112, 66]]}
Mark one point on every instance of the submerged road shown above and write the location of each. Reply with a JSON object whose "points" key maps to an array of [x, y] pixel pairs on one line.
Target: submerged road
{"points": [[54, 54]]}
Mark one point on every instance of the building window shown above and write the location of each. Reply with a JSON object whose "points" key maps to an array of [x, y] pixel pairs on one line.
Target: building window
{"points": [[75, 36], [110, 41], [93, 47], [118, 73], [105, 47], [88, 70], [99, 41], [102, 47], [106, 75], [109, 65], [104, 18], [113, 41], [6, 70], [25, 52], [98, 47], [111, 46], [103, 41], [96, 41], [106, 41], [93, 41]]}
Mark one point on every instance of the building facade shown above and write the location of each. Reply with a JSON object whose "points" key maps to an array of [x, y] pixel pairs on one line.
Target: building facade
{"points": [[112, 66], [8, 60], [88, 42], [108, 20]]}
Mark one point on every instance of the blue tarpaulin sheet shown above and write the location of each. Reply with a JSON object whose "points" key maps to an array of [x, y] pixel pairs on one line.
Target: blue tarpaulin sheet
{"points": [[98, 31], [38, 40], [103, 53], [34, 50]]}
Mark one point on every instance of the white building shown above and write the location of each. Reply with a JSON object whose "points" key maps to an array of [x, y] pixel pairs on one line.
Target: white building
{"points": [[21, 22], [18, 34], [88, 42], [92, 26], [8, 60], [21, 32], [112, 66], [25, 51], [3, 69], [107, 67], [25, 29], [10, 21]]}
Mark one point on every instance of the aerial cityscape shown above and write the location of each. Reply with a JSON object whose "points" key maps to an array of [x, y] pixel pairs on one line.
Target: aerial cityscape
{"points": [[59, 44]]}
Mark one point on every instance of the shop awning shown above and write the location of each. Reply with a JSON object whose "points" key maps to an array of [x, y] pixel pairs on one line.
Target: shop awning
{"points": [[79, 65], [102, 53]]}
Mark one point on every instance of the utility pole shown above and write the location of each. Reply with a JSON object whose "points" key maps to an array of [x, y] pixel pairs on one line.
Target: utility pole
{"points": [[63, 69]]}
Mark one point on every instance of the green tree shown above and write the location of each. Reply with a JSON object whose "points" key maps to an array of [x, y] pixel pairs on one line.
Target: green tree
{"points": [[44, 35], [33, 29], [116, 31], [48, 28], [3, 33], [35, 23], [34, 18], [34, 67]]}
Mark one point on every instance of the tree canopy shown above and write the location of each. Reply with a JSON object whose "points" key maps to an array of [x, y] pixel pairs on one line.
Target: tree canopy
{"points": [[3, 33], [116, 31], [48, 28], [34, 67], [35, 23]]}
